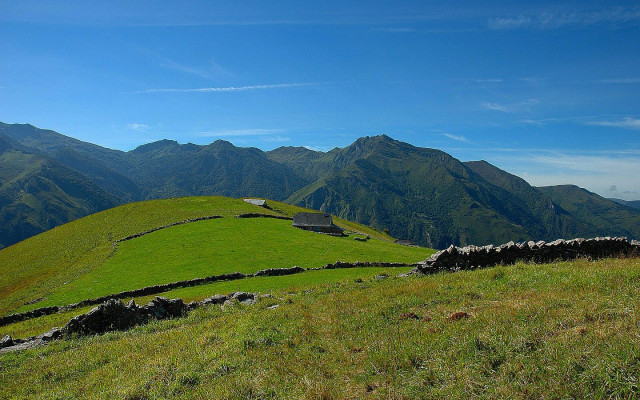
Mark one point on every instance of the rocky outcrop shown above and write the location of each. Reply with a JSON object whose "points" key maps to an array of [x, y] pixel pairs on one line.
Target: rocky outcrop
{"points": [[6, 341], [471, 257], [115, 315], [10, 344], [241, 297], [145, 291]]}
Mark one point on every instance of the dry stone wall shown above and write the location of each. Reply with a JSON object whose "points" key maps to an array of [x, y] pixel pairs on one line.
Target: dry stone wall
{"points": [[115, 315], [258, 215], [471, 257], [186, 221]]}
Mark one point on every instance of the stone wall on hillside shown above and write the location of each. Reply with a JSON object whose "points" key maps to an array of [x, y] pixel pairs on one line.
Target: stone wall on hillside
{"points": [[114, 315], [472, 257], [258, 215], [186, 221]]}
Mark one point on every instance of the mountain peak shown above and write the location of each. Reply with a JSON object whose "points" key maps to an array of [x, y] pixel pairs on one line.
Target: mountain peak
{"points": [[376, 139], [160, 144], [222, 144]]}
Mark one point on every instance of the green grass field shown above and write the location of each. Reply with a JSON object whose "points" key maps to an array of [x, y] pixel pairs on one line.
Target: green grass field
{"points": [[556, 331], [264, 285], [81, 260], [221, 246]]}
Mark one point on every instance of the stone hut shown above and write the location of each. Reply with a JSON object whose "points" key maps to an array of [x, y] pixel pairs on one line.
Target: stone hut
{"points": [[257, 202], [316, 222]]}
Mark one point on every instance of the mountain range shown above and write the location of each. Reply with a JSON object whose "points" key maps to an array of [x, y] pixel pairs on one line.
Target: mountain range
{"points": [[420, 194]]}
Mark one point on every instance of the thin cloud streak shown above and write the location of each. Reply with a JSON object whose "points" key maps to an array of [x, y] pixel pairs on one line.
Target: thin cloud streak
{"points": [[228, 88], [512, 107], [213, 71], [621, 80], [495, 107], [456, 137], [616, 16], [628, 123], [138, 127]]}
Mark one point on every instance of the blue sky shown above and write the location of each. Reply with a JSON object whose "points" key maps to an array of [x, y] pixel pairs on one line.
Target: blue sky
{"points": [[547, 90]]}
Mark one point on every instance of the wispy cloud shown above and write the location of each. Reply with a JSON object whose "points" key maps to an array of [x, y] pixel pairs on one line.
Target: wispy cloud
{"points": [[551, 20], [211, 71], [620, 80], [511, 107], [239, 132], [479, 80], [228, 88], [495, 107], [138, 127], [398, 30], [628, 123], [489, 80], [542, 121], [456, 137]]}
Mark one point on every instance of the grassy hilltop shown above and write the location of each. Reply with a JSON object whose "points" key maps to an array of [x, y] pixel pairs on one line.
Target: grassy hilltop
{"points": [[81, 259]]}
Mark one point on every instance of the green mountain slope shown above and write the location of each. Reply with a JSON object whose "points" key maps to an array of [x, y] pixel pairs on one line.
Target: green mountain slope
{"points": [[309, 164], [167, 168], [83, 259], [536, 210], [105, 167], [632, 204], [603, 216], [49, 142], [423, 194], [38, 193]]}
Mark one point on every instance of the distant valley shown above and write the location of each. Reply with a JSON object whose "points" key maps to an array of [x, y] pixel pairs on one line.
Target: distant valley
{"points": [[420, 194]]}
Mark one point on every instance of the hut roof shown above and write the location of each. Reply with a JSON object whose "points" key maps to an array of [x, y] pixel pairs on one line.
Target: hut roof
{"points": [[312, 219], [257, 202]]}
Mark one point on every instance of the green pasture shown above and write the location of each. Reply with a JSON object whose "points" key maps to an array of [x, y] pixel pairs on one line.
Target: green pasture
{"points": [[221, 246], [308, 280], [81, 259], [556, 331]]}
